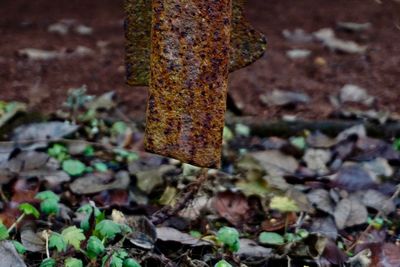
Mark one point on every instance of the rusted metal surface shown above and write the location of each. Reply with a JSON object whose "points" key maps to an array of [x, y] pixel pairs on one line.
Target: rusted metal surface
{"points": [[188, 86], [247, 44], [137, 46]]}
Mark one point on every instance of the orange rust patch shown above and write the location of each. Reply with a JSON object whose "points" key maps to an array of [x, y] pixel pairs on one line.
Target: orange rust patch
{"points": [[188, 84]]}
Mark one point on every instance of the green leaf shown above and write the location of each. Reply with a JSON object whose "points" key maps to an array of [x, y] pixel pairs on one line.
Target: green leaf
{"points": [[28, 209], [299, 142], [73, 236], [195, 234], [302, 233], [227, 134], [270, 238], [229, 237], [49, 206], [58, 151], [94, 247], [108, 229], [242, 130], [49, 262], [115, 261], [73, 262], [21, 249], [131, 263], [87, 209], [119, 127], [290, 237], [222, 263], [57, 241], [89, 151], [46, 195], [73, 167], [396, 144], [283, 204], [101, 167], [3, 232]]}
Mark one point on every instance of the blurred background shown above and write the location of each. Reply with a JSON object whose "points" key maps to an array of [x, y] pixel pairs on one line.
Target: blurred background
{"points": [[47, 47]]}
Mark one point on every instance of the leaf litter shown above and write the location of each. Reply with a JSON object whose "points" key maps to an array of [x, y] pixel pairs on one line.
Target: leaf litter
{"points": [[309, 198]]}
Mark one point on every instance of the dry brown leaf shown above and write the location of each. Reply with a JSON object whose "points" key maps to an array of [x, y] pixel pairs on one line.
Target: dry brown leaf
{"points": [[232, 206]]}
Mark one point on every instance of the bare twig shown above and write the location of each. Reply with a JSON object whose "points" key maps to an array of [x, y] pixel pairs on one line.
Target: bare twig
{"points": [[188, 193]]}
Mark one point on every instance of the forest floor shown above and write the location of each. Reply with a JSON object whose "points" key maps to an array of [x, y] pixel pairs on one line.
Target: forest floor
{"points": [[76, 188]]}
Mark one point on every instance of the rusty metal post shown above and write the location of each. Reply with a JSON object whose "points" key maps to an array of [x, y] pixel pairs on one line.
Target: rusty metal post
{"points": [[189, 79]]}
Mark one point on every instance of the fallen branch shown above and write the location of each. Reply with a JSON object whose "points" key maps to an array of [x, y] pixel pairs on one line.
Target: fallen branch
{"points": [[265, 128]]}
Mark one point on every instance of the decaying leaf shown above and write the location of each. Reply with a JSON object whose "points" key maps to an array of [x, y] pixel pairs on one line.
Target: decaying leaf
{"points": [[232, 206], [350, 212], [9, 256], [246, 45], [145, 234], [39, 134], [250, 249], [98, 182], [168, 234], [183, 74]]}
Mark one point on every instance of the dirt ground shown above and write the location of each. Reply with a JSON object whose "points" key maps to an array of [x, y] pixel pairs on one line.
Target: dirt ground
{"points": [[44, 84]]}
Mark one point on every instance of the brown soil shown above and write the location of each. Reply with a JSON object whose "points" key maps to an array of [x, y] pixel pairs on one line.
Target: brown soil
{"points": [[44, 84]]}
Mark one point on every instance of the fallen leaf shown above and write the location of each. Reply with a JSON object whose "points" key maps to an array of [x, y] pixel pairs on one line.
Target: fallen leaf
{"points": [[250, 249], [284, 98], [39, 54], [325, 226], [386, 255], [144, 234], [321, 199], [350, 212], [39, 134], [353, 178], [275, 162], [149, 179], [376, 200], [98, 182], [168, 234], [283, 204], [32, 241], [9, 256], [271, 238], [317, 159], [232, 206], [328, 38], [354, 26], [356, 94]]}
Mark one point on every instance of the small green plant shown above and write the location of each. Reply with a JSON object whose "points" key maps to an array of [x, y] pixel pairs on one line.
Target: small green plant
{"points": [[275, 239], [222, 263], [73, 167], [49, 262], [26, 209], [94, 247], [229, 237], [88, 210], [59, 152], [49, 204], [73, 262]]}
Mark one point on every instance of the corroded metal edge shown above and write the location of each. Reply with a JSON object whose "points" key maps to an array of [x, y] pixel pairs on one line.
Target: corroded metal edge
{"points": [[137, 41]]}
